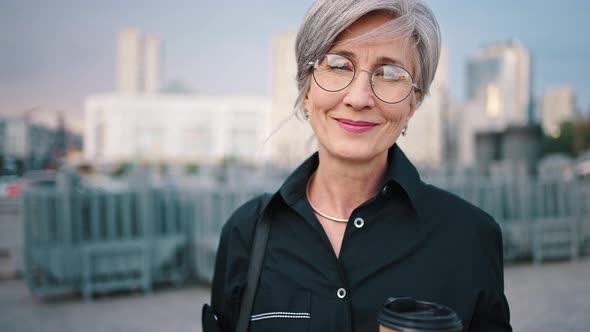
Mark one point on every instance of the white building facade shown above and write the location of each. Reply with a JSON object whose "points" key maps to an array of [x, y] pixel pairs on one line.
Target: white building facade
{"points": [[499, 76], [292, 140], [558, 106], [427, 136], [498, 95], [175, 128]]}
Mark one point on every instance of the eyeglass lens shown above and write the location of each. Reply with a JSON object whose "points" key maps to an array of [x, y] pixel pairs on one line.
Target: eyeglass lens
{"points": [[390, 83]]}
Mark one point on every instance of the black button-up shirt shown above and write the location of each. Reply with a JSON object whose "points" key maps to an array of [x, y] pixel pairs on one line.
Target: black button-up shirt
{"points": [[412, 239]]}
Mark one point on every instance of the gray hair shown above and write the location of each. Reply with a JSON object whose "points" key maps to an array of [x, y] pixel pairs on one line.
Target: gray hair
{"points": [[327, 19]]}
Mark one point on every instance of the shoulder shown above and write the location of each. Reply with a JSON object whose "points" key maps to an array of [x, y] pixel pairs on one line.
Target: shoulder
{"points": [[232, 261], [459, 214], [476, 235], [245, 213], [242, 222]]}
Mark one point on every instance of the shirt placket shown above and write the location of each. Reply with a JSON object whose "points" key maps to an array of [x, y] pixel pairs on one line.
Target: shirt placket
{"points": [[343, 299], [356, 223]]}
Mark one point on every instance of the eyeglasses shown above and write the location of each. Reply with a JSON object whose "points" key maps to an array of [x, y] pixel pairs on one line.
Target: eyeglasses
{"points": [[391, 84]]}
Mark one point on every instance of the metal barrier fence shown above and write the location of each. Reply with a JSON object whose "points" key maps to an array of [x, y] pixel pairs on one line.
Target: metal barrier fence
{"points": [[11, 237], [544, 219], [95, 241], [210, 209]]}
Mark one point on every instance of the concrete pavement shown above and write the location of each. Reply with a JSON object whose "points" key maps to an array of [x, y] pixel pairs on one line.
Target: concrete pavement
{"points": [[548, 297]]}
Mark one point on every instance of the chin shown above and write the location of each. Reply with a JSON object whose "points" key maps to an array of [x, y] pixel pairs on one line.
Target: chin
{"points": [[355, 152]]}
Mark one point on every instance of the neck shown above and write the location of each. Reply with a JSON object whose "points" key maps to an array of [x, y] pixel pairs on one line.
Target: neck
{"points": [[340, 185]]}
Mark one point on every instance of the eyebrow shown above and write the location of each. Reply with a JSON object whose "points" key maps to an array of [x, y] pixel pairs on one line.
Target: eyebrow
{"points": [[380, 60]]}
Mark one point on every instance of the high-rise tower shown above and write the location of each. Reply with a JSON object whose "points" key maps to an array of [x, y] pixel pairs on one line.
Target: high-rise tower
{"points": [[499, 76], [138, 63]]}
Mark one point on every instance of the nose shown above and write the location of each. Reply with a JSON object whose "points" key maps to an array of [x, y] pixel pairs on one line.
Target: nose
{"points": [[359, 94]]}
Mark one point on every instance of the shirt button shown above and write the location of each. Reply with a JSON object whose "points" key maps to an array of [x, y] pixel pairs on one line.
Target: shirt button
{"points": [[341, 293], [359, 222], [385, 190]]}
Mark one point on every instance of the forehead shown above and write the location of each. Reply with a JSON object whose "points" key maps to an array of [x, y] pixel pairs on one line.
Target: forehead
{"points": [[365, 25], [374, 37]]}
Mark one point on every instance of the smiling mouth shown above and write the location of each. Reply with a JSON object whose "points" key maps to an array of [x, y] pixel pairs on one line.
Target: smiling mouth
{"points": [[356, 126]]}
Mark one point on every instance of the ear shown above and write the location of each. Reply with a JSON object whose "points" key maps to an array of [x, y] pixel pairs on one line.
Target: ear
{"points": [[413, 104], [306, 102], [417, 95]]}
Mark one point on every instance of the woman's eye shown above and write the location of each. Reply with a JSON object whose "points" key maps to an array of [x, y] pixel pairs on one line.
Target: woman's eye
{"points": [[340, 67], [391, 77], [386, 76]]}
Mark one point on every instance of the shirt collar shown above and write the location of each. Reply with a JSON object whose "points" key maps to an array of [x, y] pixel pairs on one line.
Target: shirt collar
{"points": [[294, 187], [399, 171]]}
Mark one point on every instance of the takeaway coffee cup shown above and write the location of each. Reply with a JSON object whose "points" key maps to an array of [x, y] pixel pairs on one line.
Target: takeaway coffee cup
{"points": [[406, 314]]}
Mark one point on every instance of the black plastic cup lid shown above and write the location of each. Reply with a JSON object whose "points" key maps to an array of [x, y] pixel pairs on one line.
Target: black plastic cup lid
{"points": [[407, 314]]}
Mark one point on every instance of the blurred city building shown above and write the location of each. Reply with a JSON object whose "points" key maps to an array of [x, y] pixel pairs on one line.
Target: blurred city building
{"points": [[138, 63], [498, 95], [514, 151], [469, 122], [556, 166], [558, 106], [36, 140], [175, 128], [140, 122], [427, 142], [499, 75], [292, 139]]}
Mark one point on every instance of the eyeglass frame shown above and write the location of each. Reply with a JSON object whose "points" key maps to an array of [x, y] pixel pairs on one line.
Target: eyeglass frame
{"points": [[313, 65]]}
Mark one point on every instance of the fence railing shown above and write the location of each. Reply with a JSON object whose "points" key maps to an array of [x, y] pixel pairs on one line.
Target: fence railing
{"points": [[94, 241], [541, 219], [11, 237]]}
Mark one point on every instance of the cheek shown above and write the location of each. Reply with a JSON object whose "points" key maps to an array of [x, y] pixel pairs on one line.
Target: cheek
{"points": [[320, 100], [397, 115]]}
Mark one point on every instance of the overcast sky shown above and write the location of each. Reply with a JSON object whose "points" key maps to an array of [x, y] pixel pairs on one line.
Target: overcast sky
{"points": [[54, 53]]}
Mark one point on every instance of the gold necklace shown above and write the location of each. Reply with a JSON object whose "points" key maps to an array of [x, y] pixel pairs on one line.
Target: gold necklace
{"points": [[318, 211]]}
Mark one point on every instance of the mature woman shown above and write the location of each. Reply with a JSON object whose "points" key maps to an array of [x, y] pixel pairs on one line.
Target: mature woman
{"points": [[354, 224]]}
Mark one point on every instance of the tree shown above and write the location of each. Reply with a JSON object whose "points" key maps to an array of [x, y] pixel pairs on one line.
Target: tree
{"points": [[574, 138], [192, 168], [121, 170], [564, 143], [581, 136]]}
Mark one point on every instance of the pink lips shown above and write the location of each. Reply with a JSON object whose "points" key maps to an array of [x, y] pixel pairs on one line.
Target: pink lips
{"points": [[356, 126]]}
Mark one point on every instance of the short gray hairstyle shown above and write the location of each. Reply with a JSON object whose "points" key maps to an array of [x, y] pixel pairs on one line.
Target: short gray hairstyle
{"points": [[327, 19]]}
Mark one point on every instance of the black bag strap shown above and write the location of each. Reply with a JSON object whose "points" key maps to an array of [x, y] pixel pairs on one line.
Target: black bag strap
{"points": [[208, 320], [256, 258]]}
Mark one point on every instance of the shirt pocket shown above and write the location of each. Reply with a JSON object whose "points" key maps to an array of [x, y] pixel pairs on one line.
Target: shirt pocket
{"points": [[281, 310]]}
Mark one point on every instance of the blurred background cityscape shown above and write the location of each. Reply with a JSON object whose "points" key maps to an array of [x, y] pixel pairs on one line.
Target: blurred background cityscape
{"points": [[174, 84], [129, 131]]}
